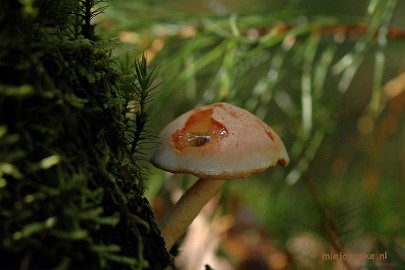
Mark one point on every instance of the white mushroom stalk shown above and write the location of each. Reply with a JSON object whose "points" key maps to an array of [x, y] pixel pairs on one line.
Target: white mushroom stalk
{"points": [[181, 215], [217, 142]]}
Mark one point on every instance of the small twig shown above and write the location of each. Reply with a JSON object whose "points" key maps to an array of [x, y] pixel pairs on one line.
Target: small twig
{"points": [[328, 219], [345, 30]]}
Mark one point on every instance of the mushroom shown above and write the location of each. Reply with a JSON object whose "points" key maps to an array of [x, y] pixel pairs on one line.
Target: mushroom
{"points": [[217, 142]]}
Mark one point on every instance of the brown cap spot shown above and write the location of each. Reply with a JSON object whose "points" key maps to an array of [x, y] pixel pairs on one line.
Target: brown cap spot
{"points": [[199, 129]]}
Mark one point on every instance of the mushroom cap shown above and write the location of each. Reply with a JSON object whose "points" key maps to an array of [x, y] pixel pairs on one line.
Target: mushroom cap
{"points": [[218, 141]]}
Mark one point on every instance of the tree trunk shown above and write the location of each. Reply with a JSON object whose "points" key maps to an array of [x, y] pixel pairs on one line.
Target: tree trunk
{"points": [[71, 190]]}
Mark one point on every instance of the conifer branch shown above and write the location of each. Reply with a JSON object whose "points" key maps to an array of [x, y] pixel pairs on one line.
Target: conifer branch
{"points": [[143, 93], [88, 12]]}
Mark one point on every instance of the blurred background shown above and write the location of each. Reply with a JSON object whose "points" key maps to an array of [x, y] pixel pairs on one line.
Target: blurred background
{"points": [[329, 77]]}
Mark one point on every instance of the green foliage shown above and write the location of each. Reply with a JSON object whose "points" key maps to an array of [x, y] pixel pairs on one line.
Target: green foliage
{"points": [[142, 95], [71, 185], [319, 81]]}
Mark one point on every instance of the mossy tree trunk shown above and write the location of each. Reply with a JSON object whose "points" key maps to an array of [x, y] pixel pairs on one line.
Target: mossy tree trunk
{"points": [[70, 183]]}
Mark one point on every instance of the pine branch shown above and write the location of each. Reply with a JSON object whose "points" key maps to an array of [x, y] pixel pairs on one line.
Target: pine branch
{"points": [[143, 93], [88, 12]]}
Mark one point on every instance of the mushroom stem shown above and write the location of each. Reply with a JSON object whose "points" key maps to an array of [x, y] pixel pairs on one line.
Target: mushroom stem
{"points": [[174, 224]]}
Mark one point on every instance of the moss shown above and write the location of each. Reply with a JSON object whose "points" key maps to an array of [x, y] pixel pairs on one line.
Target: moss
{"points": [[70, 183]]}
